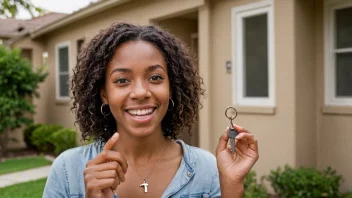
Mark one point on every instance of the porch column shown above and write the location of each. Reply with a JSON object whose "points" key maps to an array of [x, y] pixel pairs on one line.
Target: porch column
{"points": [[204, 70]]}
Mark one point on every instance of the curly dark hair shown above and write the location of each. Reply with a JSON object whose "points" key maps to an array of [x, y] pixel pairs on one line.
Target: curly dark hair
{"points": [[89, 77]]}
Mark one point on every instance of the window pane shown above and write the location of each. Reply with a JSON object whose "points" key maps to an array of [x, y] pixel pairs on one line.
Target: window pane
{"points": [[63, 85], [256, 56], [344, 74], [343, 19], [63, 59]]}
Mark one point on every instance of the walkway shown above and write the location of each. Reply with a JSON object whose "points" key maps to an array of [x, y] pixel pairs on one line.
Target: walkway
{"points": [[24, 176]]}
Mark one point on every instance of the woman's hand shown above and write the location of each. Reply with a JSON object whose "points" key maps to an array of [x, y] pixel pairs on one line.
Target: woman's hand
{"points": [[105, 172], [233, 167]]}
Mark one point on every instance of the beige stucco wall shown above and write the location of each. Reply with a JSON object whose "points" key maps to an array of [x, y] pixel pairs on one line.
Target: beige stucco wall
{"points": [[180, 27], [334, 129], [275, 132], [305, 86]]}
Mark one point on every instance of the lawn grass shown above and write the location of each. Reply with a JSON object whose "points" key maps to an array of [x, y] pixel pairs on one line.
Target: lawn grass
{"points": [[32, 189], [13, 165]]}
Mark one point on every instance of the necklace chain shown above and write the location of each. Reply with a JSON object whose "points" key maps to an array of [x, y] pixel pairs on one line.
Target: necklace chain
{"points": [[152, 170]]}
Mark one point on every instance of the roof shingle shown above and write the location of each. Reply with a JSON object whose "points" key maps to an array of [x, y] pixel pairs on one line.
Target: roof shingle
{"points": [[11, 28]]}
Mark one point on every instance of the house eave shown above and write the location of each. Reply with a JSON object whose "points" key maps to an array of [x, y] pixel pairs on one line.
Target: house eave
{"points": [[85, 12]]}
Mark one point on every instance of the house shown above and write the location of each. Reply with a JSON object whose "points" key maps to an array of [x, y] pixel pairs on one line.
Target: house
{"points": [[286, 65]]}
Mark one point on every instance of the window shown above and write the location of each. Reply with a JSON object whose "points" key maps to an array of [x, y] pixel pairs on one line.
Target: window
{"points": [[338, 53], [62, 71], [253, 54]]}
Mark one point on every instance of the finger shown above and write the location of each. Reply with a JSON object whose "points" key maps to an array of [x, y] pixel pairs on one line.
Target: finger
{"points": [[111, 142], [222, 142], [250, 140], [240, 129], [237, 150], [107, 167], [106, 174], [108, 156], [115, 184], [102, 167], [100, 184], [120, 173]]}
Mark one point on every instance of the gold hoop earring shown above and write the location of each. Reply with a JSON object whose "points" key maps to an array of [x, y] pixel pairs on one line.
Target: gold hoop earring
{"points": [[173, 105], [101, 110]]}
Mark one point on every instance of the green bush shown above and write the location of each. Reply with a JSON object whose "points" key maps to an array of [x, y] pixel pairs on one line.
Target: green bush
{"points": [[41, 137], [305, 182], [28, 133], [252, 189], [18, 82], [347, 195], [63, 139]]}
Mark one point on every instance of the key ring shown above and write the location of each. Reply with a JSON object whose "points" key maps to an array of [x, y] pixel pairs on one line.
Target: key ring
{"points": [[229, 117]]}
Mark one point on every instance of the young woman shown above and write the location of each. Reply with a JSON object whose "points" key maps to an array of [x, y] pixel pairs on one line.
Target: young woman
{"points": [[134, 90]]}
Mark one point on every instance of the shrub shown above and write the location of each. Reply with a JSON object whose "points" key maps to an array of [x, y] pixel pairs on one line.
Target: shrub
{"points": [[28, 133], [41, 136], [63, 139], [18, 82], [305, 182], [347, 195], [252, 189]]}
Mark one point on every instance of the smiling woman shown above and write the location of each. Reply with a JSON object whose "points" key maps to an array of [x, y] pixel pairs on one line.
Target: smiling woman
{"points": [[134, 89]]}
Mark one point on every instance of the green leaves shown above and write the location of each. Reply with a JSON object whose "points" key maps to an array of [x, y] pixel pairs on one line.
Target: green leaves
{"points": [[305, 182], [9, 8], [18, 83], [63, 139], [17, 79], [41, 136], [252, 189]]}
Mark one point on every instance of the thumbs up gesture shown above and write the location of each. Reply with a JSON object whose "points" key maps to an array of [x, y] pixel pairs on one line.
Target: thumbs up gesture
{"points": [[105, 172]]}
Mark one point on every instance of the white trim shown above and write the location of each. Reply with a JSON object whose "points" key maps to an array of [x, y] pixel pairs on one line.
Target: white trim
{"points": [[344, 50], [329, 54], [238, 13], [57, 71]]}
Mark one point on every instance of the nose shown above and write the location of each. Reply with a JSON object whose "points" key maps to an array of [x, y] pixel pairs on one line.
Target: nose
{"points": [[140, 90]]}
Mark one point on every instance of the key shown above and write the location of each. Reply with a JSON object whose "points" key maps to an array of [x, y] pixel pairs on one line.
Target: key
{"points": [[232, 133]]}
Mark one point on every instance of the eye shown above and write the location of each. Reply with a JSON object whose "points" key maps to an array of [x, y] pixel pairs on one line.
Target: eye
{"points": [[121, 81], [156, 78]]}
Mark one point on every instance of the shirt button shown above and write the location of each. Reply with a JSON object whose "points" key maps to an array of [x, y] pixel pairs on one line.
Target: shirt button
{"points": [[189, 174]]}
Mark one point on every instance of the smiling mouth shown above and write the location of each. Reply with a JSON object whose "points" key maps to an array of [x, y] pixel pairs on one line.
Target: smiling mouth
{"points": [[141, 112]]}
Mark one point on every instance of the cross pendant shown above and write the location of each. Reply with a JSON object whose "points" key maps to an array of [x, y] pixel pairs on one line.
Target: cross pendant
{"points": [[145, 185]]}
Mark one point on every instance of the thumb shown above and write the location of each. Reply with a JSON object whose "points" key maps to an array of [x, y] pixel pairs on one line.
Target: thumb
{"points": [[111, 142], [222, 142]]}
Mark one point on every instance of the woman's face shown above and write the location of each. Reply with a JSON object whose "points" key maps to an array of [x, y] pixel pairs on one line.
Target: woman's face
{"points": [[137, 88]]}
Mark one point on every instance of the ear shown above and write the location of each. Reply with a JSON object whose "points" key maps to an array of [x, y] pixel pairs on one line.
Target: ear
{"points": [[103, 95]]}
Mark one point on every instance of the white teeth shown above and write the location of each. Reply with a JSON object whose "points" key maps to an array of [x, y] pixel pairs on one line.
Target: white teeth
{"points": [[141, 112]]}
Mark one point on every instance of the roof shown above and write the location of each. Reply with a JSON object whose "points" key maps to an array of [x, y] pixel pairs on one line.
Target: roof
{"points": [[90, 10], [11, 28]]}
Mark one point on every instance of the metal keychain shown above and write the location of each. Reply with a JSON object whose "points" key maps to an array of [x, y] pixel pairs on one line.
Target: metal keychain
{"points": [[232, 133]]}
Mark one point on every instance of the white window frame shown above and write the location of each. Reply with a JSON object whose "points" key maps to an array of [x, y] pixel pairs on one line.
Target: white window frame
{"points": [[238, 13], [59, 46], [330, 51]]}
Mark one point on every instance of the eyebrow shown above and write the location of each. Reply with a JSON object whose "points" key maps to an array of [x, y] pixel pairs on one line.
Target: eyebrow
{"points": [[125, 70], [154, 67]]}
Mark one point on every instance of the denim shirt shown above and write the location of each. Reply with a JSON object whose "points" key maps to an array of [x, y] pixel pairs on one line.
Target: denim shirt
{"points": [[197, 175]]}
